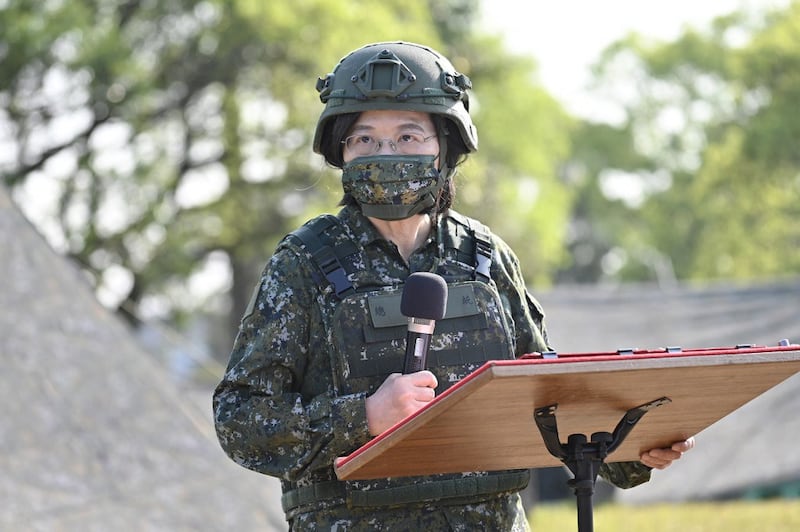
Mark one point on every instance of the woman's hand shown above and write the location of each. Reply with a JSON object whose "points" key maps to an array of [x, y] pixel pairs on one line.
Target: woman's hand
{"points": [[397, 398], [662, 458]]}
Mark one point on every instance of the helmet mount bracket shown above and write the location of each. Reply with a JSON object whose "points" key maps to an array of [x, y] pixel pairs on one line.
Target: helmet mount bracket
{"points": [[384, 75]]}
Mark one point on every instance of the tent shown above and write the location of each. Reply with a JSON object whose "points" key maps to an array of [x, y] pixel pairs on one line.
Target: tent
{"points": [[750, 451], [94, 434]]}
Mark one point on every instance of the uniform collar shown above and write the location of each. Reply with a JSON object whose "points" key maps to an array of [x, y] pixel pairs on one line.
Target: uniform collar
{"points": [[366, 233]]}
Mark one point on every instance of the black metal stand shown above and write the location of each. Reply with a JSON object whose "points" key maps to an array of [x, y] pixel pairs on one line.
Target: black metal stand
{"points": [[583, 457]]}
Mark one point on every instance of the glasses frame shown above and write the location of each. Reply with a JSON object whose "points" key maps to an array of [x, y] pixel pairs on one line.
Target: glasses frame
{"points": [[393, 144]]}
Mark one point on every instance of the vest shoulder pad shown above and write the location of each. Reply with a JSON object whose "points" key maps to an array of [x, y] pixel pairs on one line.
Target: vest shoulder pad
{"points": [[326, 241], [472, 242]]}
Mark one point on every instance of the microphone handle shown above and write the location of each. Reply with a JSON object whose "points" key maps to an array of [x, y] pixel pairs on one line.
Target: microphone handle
{"points": [[417, 345]]}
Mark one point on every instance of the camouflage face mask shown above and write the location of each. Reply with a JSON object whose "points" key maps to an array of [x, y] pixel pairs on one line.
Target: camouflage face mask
{"points": [[393, 187]]}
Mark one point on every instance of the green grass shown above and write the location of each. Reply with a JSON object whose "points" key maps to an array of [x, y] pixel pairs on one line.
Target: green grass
{"points": [[781, 515]]}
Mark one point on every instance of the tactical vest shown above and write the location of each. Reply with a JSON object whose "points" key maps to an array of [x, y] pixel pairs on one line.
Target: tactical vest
{"points": [[368, 334]]}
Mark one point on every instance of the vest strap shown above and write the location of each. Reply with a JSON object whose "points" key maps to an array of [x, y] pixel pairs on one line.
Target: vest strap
{"points": [[324, 255], [466, 488], [479, 249], [483, 250]]}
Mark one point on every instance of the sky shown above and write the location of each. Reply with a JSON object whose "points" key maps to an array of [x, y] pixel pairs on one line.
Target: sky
{"points": [[566, 36]]}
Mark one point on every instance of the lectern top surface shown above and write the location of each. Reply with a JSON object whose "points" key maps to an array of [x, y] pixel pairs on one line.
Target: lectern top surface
{"points": [[485, 422]]}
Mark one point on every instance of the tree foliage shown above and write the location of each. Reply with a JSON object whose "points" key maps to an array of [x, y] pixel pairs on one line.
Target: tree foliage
{"points": [[512, 183], [165, 145], [707, 148], [159, 143]]}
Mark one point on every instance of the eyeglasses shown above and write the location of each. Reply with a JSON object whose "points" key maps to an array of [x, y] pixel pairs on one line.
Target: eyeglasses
{"points": [[406, 143]]}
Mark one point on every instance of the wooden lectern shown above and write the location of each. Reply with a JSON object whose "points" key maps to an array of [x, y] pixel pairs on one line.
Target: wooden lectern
{"points": [[487, 421]]}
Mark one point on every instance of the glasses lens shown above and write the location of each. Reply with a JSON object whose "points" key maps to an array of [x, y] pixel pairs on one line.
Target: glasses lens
{"points": [[407, 144], [361, 144]]}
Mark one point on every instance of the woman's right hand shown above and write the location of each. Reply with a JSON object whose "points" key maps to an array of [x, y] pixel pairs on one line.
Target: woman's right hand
{"points": [[398, 397]]}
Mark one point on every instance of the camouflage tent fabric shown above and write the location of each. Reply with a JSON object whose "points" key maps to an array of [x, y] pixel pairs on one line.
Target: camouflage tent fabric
{"points": [[94, 435]]}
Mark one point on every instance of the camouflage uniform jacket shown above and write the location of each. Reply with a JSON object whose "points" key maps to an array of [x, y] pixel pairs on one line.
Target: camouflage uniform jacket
{"points": [[285, 409]]}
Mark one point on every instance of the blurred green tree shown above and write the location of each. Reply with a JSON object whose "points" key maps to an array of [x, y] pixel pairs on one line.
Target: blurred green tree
{"points": [[699, 178], [513, 182], [165, 146], [160, 140]]}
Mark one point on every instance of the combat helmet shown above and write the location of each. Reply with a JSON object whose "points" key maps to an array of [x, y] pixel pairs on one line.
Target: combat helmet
{"points": [[397, 76]]}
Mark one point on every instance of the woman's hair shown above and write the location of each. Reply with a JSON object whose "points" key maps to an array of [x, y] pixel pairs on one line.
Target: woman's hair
{"points": [[339, 128]]}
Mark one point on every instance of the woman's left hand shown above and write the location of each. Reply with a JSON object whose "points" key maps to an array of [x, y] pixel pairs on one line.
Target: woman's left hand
{"points": [[662, 458]]}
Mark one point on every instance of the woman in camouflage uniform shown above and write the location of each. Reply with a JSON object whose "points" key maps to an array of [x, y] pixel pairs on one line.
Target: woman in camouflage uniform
{"points": [[315, 370]]}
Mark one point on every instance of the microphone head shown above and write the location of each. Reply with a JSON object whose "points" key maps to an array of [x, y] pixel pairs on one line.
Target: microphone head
{"points": [[424, 296]]}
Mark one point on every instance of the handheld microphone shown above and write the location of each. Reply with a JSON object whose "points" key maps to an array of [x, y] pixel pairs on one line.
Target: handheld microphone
{"points": [[423, 302]]}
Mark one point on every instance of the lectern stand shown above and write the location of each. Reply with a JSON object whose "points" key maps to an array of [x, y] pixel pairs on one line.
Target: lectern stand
{"points": [[653, 398], [584, 457]]}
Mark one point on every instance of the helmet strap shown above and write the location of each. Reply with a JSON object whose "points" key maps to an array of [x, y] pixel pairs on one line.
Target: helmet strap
{"points": [[442, 133], [444, 170]]}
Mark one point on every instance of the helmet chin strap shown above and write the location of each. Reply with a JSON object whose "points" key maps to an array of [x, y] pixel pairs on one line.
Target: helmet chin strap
{"points": [[444, 170], [442, 135]]}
